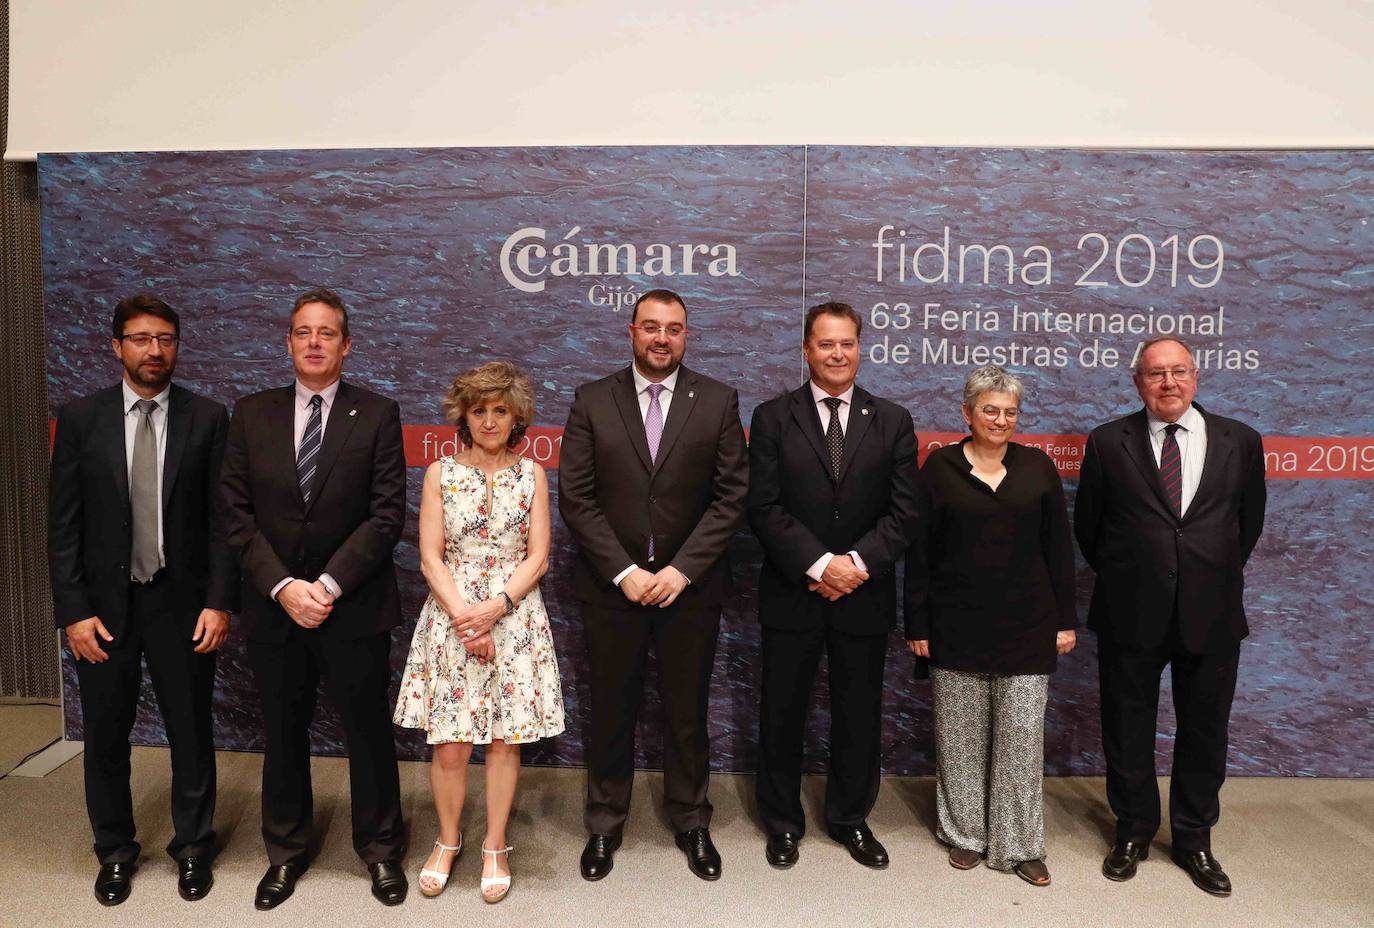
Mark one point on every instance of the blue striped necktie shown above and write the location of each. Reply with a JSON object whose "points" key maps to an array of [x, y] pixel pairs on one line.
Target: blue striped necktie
{"points": [[1171, 469], [308, 455]]}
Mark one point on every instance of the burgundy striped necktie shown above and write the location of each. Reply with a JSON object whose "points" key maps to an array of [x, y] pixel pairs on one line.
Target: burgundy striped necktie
{"points": [[1171, 469]]}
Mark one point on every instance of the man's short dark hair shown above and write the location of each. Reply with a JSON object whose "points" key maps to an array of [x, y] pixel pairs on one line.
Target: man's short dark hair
{"points": [[328, 298], [833, 308], [658, 295], [143, 304]]}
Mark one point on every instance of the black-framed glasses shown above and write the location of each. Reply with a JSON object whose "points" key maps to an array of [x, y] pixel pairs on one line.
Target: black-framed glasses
{"points": [[144, 339]]}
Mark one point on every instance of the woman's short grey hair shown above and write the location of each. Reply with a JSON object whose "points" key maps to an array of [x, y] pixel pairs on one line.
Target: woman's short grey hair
{"points": [[991, 379]]}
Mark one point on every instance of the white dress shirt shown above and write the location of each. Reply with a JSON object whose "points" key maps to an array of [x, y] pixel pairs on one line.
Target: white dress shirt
{"points": [[303, 396], [816, 570], [665, 399], [1192, 447], [132, 417]]}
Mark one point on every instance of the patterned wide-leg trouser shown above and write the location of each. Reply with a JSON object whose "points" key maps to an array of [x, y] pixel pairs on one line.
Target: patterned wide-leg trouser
{"points": [[990, 760]]}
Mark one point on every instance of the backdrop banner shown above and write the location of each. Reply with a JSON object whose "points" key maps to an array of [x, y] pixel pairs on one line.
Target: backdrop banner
{"points": [[1057, 264]]}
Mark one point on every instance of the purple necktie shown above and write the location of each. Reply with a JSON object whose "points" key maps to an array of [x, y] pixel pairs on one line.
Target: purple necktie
{"points": [[653, 431], [1171, 469]]}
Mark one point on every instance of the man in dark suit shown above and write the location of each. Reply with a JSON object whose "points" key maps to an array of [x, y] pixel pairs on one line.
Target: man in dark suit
{"points": [[652, 481], [315, 482], [833, 499], [139, 566], [1170, 505]]}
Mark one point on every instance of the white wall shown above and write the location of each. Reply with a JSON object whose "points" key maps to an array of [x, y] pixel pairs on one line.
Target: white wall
{"points": [[91, 75]]}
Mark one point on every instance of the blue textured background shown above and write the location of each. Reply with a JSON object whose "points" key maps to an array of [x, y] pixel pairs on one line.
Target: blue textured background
{"points": [[411, 238]]}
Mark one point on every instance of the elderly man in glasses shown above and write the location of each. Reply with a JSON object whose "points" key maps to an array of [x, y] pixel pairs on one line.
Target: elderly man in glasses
{"points": [[1170, 505]]}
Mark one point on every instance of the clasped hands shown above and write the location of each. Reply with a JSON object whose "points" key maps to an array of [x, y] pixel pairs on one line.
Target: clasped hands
{"points": [[308, 604], [840, 578], [1064, 642], [473, 623], [654, 589]]}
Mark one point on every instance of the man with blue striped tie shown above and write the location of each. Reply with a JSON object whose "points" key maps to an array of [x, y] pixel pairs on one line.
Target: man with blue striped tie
{"points": [[314, 523]]}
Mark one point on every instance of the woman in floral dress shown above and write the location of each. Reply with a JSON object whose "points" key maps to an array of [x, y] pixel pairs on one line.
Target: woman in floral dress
{"points": [[482, 668]]}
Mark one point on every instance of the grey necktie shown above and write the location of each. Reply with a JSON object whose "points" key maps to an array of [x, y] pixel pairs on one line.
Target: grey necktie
{"points": [[308, 455], [143, 496]]}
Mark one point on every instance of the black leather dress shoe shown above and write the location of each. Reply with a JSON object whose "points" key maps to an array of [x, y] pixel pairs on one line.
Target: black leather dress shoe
{"points": [[389, 886], [1119, 864], [194, 878], [702, 857], [861, 844], [113, 882], [782, 849], [598, 857], [1206, 872], [277, 885]]}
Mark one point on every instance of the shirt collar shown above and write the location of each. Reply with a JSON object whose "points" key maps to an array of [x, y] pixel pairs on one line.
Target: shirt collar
{"points": [[303, 394], [130, 397], [818, 395], [642, 382], [1190, 421]]}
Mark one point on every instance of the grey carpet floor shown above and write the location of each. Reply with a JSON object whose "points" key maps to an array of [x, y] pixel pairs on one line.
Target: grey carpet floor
{"points": [[1300, 852]]}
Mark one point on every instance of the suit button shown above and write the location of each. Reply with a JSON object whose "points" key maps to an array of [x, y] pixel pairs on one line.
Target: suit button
{"points": [[1179, 532], [835, 514], [653, 499], [307, 523], [1172, 572]]}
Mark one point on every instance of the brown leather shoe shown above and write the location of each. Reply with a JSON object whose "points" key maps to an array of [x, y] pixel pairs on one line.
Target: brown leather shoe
{"points": [[961, 858], [1033, 872]]}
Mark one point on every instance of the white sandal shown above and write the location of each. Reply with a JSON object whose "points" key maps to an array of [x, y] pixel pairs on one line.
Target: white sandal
{"points": [[501, 881], [436, 875]]}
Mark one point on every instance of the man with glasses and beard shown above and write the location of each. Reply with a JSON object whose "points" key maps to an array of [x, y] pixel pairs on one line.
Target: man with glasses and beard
{"points": [[140, 567], [652, 483], [1170, 505]]}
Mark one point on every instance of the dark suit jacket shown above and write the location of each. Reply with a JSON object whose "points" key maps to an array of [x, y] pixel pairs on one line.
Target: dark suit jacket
{"points": [[799, 512], [349, 530], [1150, 562], [691, 498], [90, 523]]}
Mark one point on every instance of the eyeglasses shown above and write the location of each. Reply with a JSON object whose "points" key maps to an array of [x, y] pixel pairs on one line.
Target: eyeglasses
{"points": [[995, 412], [652, 329], [1180, 374], [144, 339]]}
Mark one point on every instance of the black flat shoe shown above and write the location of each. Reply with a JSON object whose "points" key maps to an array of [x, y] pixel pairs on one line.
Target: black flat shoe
{"points": [[598, 857], [194, 878], [861, 844], [1121, 860], [277, 885], [113, 882], [702, 857], [1206, 872], [389, 886], [782, 849]]}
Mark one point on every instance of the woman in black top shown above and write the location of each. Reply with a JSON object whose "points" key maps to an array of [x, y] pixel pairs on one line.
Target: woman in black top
{"points": [[990, 602]]}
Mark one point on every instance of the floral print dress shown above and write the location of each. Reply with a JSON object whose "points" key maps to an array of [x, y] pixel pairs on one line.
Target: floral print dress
{"points": [[516, 697]]}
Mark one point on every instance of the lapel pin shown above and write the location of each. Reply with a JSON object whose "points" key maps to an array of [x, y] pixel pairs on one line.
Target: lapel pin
{"points": [[691, 394], [354, 412], [865, 412]]}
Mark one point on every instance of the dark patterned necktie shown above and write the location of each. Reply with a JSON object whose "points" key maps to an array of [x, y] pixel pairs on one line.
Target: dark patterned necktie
{"points": [[1171, 468], [834, 436], [143, 496], [308, 455]]}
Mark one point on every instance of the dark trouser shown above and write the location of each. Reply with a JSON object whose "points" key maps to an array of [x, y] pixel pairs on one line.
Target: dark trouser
{"points": [[856, 664], [617, 650], [1204, 685], [356, 673], [182, 682]]}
